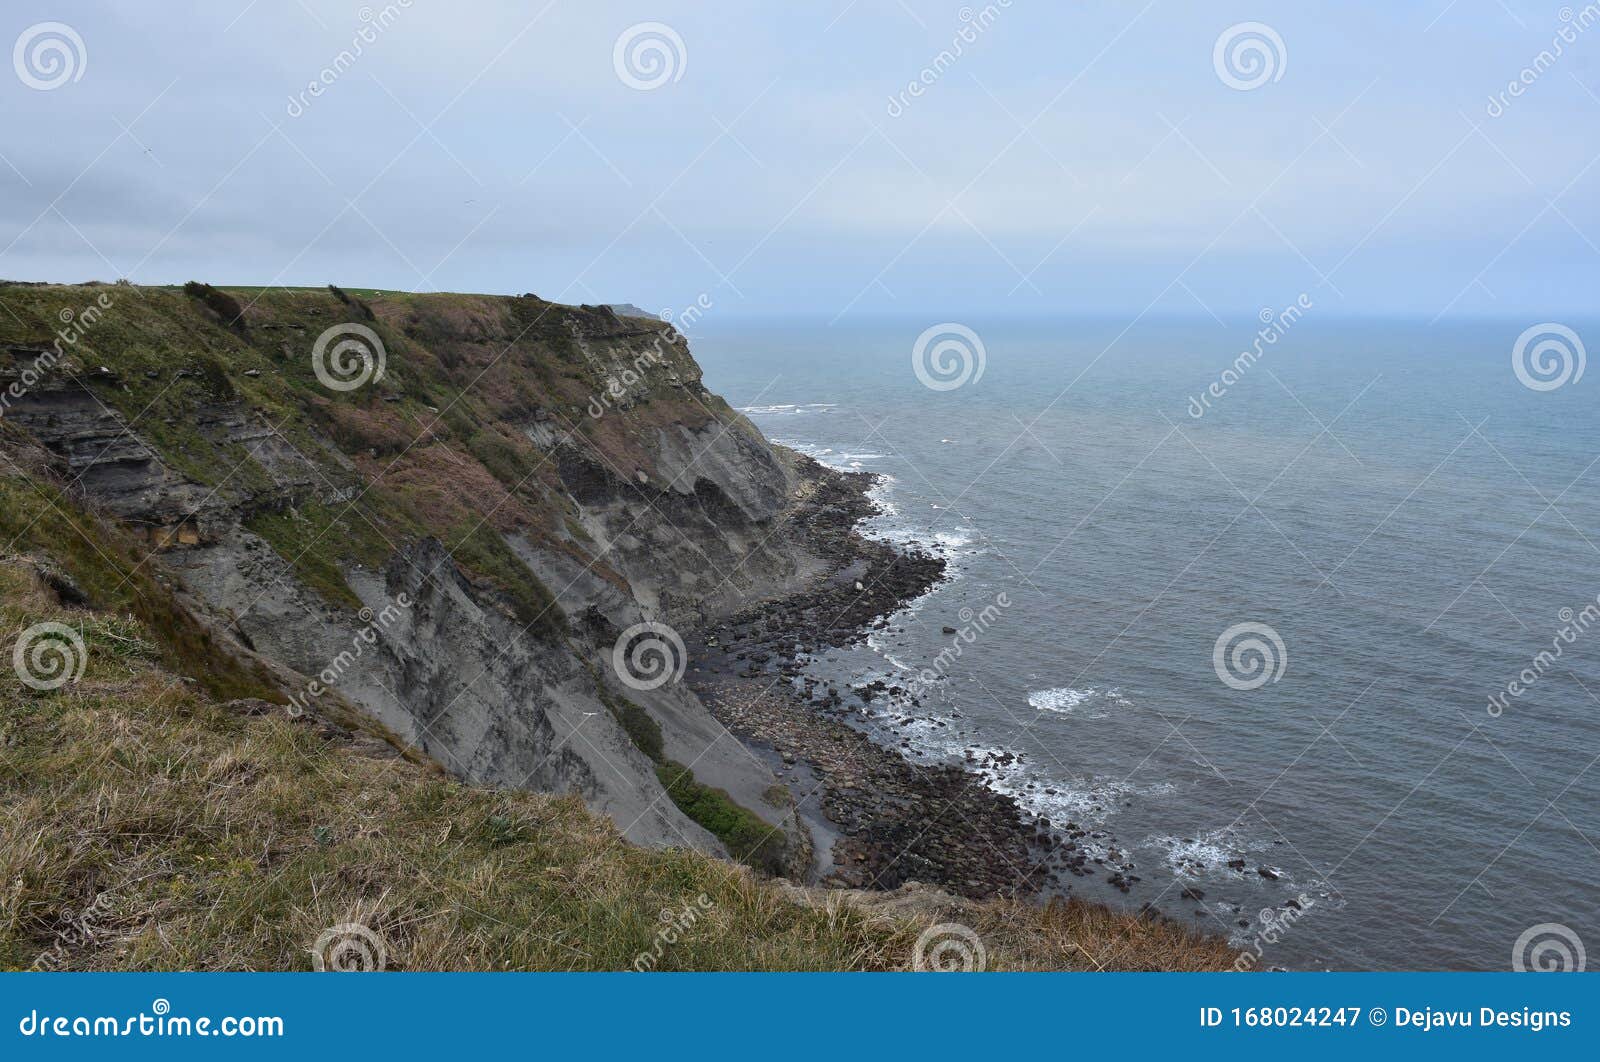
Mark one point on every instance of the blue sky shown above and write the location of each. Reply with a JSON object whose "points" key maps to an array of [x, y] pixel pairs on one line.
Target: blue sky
{"points": [[1082, 158]]}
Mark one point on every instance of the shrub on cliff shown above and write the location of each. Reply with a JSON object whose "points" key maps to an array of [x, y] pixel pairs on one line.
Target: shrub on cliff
{"points": [[225, 306]]}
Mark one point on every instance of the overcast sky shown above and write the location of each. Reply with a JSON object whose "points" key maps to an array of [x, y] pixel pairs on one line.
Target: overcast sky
{"points": [[1074, 158]]}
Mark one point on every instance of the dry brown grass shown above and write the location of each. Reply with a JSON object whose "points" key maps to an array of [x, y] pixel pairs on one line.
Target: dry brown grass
{"points": [[202, 836], [144, 825]]}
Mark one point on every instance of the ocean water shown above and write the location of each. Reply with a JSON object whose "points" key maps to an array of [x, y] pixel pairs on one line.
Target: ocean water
{"points": [[1405, 525]]}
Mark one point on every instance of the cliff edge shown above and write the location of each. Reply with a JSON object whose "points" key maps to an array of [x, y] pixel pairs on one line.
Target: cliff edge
{"points": [[439, 511], [360, 612]]}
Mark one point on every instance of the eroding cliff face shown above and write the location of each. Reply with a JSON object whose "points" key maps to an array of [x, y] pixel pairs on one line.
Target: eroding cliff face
{"points": [[453, 550], [693, 539]]}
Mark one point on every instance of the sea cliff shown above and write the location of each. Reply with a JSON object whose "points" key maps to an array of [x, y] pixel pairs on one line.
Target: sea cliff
{"points": [[499, 539]]}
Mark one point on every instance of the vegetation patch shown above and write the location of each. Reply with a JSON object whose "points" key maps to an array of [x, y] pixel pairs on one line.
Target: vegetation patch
{"points": [[747, 838], [225, 306], [144, 620], [483, 552], [196, 828], [318, 541], [637, 724]]}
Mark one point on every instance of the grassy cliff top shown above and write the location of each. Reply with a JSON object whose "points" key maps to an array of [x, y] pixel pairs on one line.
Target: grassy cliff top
{"points": [[428, 431]]}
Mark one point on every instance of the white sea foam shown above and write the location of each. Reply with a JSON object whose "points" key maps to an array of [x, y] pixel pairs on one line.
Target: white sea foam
{"points": [[956, 541], [1207, 853], [1090, 802], [819, 454], [1087, 802], [1067, 700], [879, 645], [790, 409], [828, 457], [879, 495], [1062, 700]]}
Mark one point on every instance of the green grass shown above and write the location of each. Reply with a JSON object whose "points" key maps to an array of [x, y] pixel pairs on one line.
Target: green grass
{"points": [[318, 541], [117, 575], [295, 289], [204, 839], [219, 842], [644, 731], [746, 836], [481, 549], [508, 462], [210, 839]]}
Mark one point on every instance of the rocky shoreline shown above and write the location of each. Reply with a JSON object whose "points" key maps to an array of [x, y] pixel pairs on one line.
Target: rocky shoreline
{"points": [[890, 820]]}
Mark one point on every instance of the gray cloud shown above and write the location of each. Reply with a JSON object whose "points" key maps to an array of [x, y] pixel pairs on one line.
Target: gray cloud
{"points": [[1072, 158]]}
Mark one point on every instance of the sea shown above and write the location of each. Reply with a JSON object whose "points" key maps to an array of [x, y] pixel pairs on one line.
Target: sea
{"points": [[1302, 633]]}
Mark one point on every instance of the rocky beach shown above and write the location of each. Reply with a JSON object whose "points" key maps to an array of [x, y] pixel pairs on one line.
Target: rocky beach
{"points": [[877, 818]]}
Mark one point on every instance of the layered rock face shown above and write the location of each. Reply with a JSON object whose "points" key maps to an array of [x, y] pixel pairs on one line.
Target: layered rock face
{"points": [[452, 546]]}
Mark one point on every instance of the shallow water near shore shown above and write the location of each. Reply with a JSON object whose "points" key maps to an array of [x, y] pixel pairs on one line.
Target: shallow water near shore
{"points": [[1408, 518]]}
